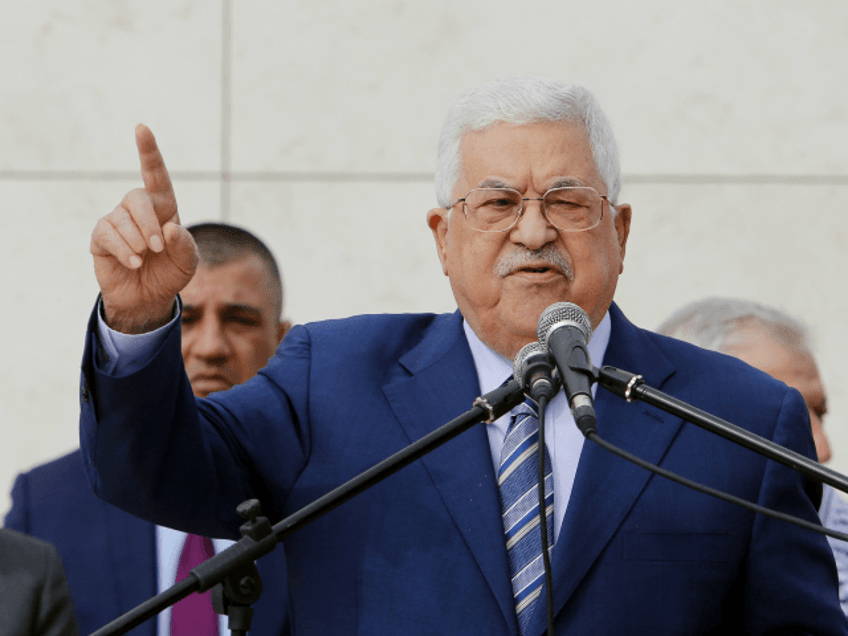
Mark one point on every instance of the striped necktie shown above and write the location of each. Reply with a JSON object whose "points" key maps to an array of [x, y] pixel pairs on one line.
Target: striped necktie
{"points": [[518, 483]]}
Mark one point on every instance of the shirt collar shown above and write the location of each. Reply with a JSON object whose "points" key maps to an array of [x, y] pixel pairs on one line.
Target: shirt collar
{"points": [[493, 368]]}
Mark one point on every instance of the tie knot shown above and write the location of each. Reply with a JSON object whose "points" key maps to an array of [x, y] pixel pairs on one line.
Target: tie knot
{"points": [[525, 416], [527, 407]]}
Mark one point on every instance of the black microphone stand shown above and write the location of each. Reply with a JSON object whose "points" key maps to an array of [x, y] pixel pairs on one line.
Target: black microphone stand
{"points": [[632, 387], [233, 571]]}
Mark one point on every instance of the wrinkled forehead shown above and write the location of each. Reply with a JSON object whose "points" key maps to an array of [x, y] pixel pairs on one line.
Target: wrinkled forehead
{"points": [[238, 282], [558, 153]]}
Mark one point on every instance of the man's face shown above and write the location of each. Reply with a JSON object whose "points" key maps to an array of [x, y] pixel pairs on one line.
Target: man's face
{"points": [[229, 324], [503, 309], [793, 367]]}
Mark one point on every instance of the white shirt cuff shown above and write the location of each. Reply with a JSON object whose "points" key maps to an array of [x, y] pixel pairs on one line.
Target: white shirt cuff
{"points": [[124, 353]]}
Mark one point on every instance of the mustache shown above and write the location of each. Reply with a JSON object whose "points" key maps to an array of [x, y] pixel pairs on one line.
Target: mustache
{"points": [[521, 257]]}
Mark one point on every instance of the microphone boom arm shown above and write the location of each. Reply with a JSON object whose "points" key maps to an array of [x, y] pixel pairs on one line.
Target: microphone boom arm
{"points": [[258, 541], [632, 387]]}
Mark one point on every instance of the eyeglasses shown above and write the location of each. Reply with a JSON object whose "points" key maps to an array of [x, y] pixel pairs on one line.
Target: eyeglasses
{"points": [[571, 209]]}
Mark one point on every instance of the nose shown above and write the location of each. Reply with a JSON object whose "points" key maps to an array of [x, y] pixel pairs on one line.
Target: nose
{"points": [[820, 438], [208, 340], [533, 229]]}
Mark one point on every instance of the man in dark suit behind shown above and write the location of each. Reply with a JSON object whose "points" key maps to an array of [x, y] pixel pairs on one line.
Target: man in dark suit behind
{"points": [[34, 596], [527, 184], [232, 324]]}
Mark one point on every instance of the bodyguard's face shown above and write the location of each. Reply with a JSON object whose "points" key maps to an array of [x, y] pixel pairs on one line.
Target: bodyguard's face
{"points": [[230, 326], [503, 307]]}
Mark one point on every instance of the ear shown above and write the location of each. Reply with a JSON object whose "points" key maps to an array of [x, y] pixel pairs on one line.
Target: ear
{"points": [[437, 219], [282, 330], [622, 228]]}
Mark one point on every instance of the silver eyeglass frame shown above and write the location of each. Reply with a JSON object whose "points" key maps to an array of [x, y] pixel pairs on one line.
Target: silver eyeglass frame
{"points": [[541, 199]]}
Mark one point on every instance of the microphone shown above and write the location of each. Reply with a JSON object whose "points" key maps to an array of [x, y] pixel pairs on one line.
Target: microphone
{"points": [[564, 329], [534, 369]]}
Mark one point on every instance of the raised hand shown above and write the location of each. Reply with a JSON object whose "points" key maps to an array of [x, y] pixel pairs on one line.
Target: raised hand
{"points": [[143, 257]]}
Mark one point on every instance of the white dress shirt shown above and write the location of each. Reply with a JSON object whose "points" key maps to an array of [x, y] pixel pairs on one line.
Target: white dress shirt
{"points": [[562, 437]]}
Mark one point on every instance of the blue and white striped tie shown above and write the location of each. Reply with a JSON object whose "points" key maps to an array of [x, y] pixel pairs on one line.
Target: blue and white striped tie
{"points": [[518, 483]]}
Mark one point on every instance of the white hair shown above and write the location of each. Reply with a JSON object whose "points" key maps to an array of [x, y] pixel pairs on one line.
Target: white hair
{"points": [[521, 101], [716, 323]]}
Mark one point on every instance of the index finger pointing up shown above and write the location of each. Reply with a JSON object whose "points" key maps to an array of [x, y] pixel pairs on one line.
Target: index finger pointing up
{"points": [[157, 181]]}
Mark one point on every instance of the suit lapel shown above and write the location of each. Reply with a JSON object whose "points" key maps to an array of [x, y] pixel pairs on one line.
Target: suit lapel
{"points": [[443, 385], [606, 486]]}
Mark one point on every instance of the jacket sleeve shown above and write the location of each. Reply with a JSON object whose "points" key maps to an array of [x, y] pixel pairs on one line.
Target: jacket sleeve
{"points": [[151, 448]]}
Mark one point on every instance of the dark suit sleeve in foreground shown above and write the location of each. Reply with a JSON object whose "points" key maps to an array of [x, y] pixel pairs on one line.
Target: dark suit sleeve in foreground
{"points": [[34, 595]]}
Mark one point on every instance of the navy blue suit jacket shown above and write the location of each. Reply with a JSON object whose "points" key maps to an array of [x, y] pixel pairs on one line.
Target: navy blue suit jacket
{"points": [[423, 552], [109, 555]]}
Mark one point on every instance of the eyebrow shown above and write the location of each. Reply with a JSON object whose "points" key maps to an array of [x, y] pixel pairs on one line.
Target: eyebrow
{"points": [[230, 307], [567, 182], [494, 183]]}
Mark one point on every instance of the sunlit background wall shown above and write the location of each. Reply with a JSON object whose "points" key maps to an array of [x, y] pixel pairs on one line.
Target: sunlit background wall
{"points": [[314, 124]]}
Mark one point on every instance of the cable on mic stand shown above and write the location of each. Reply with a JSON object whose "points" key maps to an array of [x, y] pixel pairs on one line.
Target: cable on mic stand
{"points": [[593, 436], [543, 520], [632, 387]]}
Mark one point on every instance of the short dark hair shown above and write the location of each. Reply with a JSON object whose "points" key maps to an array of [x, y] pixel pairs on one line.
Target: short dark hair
{"points": [[220, 243]]}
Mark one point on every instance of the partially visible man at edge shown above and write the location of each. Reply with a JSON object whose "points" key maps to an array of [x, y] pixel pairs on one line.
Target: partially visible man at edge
{"points": [[527, 183], [774, 342], [34, 595], [231, 324]]}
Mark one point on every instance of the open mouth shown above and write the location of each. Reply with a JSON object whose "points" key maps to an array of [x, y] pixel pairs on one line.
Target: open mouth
{"points": [[533, 262], [541, 268]]}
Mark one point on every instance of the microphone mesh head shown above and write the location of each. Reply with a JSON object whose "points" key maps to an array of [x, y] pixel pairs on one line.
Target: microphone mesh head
{"points": [[563, 313], [527, 351]]}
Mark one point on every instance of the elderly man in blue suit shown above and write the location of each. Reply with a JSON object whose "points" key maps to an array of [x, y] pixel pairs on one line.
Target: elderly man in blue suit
{"points": [[527, 184], [231, 324]]}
